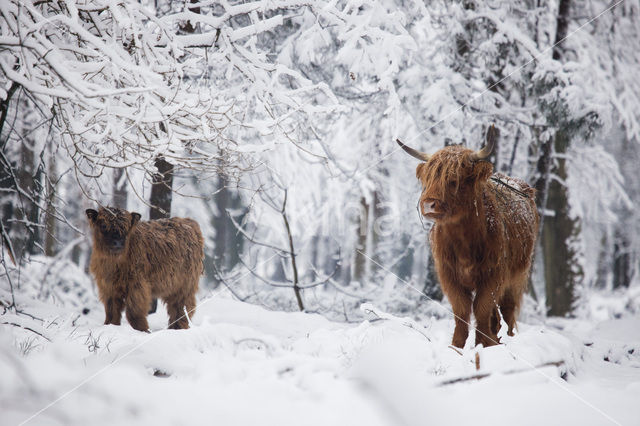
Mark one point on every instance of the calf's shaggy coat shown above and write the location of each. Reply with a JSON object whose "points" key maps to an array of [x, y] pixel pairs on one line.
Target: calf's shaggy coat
{"points": [[134, 261], [483, 237]]}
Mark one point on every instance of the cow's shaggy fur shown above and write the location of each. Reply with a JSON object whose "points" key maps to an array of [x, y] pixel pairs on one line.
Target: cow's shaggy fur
{"points": [[134, 261], [482, 240]]}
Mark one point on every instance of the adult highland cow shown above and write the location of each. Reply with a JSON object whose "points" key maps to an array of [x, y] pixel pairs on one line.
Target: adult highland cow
{"points": [[135, 260], [483, 237]]}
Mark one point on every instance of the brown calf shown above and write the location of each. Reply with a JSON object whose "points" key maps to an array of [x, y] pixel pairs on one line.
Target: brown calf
{"points": [[134, 261]]}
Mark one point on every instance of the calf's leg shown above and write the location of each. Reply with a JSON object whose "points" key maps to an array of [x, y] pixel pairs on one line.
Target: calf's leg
{"points": [[137, 305], [113, 307], [178, 307]]}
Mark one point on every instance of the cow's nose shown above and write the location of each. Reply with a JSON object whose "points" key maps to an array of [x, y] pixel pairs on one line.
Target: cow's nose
{"points": [[428, 207]]}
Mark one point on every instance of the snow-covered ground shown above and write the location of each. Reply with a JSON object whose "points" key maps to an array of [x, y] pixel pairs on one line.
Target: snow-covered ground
{"points": [[240, 364]]}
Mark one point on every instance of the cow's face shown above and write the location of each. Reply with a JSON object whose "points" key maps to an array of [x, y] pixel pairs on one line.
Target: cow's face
{"points": [[450, 180], [451, 177], [111, 227]]}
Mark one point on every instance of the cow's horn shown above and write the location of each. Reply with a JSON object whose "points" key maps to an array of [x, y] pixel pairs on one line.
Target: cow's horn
{"points": [[485, 152], [412, 152]]}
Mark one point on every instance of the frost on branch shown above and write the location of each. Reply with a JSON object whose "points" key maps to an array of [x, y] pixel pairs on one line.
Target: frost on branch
{"points": [[125, 85]]}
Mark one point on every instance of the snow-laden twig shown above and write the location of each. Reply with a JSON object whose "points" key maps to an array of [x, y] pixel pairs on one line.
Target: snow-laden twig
{"points": [[368, 308], [125, 85], [26, 328], [481, 376]]}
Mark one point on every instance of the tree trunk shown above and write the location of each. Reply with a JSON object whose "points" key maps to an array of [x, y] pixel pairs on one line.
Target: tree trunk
{"points": [[360, 261], [228, 243], [405, 265], [541, 175], [622, 265], [28, 212], [314, 256], [50, 220], [161, 197], [562, 26], [119, 189], [161, 190], [432, 289], [625, 245], [4, 111], [603, 263], [7, 197], [377, 212], [221, 225], [558, 231], [561, 268]]}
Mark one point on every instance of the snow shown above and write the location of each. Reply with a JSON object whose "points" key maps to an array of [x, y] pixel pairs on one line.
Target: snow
{"points": [[242, 364], [306, 98]]}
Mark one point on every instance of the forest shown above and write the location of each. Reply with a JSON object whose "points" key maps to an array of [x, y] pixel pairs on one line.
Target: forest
{"points": [[273, 124]]}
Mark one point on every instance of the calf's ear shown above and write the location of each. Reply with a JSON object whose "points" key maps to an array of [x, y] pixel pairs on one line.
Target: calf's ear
{"points": [[91, 214], [135, 217]]}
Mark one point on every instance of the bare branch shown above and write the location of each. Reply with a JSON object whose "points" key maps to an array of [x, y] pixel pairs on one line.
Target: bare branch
{"points": [[26, 328], [485, 375]]}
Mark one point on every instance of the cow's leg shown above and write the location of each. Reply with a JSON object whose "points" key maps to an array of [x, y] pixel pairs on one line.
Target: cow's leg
{"points": [[460, 299], [508, 309], [512, 298], [495, 321], [483, 308], [137, 304]]}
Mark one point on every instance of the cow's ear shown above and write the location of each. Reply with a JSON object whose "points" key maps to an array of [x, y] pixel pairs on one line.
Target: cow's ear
{"points": [[420, 170], [135, 217], [91, 214], [483, 170]]}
